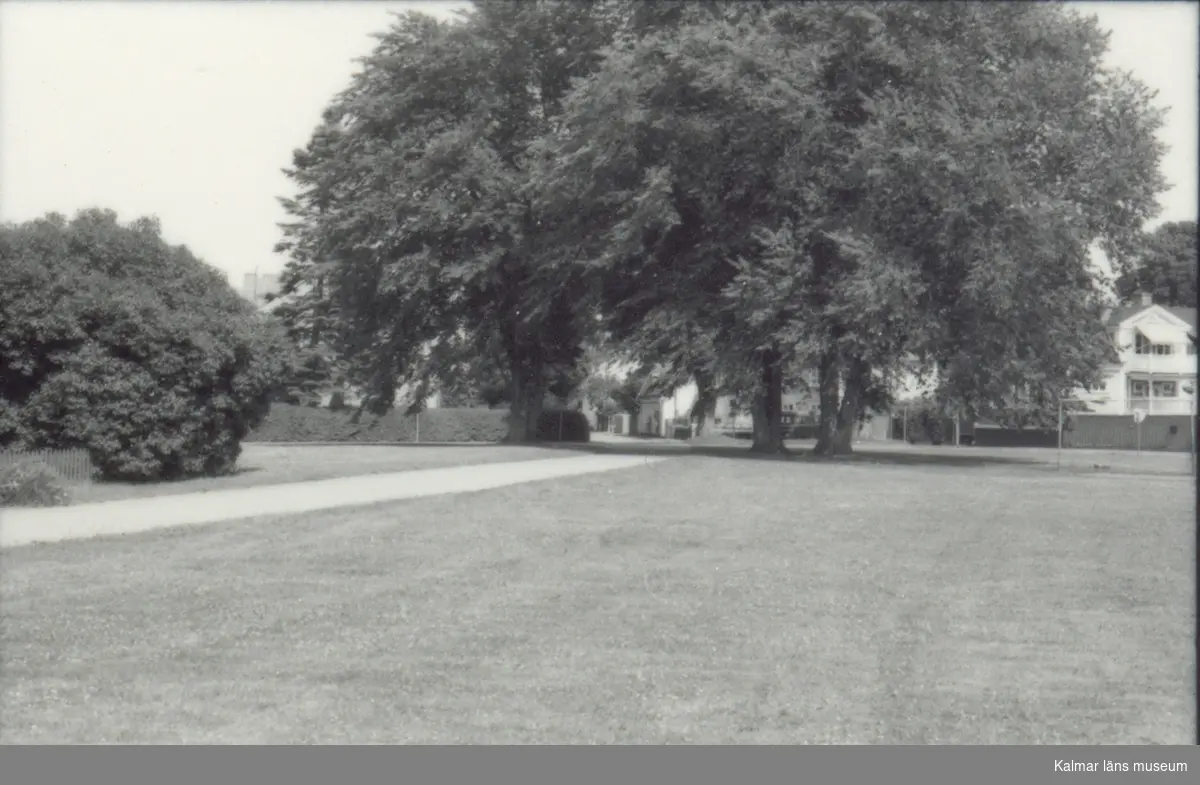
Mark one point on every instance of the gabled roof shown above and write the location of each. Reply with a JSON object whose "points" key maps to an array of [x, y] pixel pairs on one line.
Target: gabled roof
{"points": [[1186, 314], [1123, 313]]}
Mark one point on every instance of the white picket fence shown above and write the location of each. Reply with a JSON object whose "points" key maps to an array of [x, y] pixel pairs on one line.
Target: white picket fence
{"points": [[74, 466]]}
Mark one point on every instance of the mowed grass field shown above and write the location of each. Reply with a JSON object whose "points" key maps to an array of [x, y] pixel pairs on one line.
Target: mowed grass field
{"points": [[696, 600], [270, 464]]}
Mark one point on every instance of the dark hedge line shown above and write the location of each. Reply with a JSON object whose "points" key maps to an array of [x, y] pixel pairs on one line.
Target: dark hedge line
{"points": [[563, 426], [290, 423]]}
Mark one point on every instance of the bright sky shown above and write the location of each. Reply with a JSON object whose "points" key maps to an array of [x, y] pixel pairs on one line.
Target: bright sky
{"points": [[189, 111]]}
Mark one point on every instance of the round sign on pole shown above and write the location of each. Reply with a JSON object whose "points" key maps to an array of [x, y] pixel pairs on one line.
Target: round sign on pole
{"points": [[1139, 415]]}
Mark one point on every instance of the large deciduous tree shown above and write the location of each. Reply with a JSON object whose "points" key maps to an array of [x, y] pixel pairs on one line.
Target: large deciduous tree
{"points": [[114, 341], [662, 175], [976, 152], [1000, 153], [413, 212]]}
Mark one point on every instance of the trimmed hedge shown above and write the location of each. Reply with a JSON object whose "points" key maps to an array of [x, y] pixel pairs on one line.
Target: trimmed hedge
{"points": [[31, 483], [291, 423], [575, 426]]}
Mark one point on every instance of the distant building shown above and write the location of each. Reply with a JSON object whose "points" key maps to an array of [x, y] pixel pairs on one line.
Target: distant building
{"points": [[1156, 366], [256, 288]]}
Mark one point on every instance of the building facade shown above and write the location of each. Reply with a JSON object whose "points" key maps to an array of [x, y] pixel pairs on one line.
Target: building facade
{"points": [[1156, 370]]}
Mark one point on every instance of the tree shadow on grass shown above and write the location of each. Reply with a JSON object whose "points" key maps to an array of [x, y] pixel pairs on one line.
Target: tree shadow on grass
{"points": [[900, 456], [237, 472]]}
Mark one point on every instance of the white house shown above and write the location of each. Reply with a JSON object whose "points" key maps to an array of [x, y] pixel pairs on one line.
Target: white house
{"points": [[655, 412], [798, 405], [1157, 367], [659, 403]]}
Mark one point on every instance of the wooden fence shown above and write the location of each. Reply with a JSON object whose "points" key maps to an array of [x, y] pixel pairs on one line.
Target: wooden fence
{"points": [[1160, 432]]}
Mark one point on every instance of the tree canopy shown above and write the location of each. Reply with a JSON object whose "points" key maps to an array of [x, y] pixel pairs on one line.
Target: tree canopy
{"points": [[920, 186], [742, 193], [1164, 266], [412, 212]]}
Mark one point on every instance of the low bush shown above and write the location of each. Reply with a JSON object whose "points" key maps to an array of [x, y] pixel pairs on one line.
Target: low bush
{"points": [[928, 422], [574, 426], [31, 483], [683, 432]]}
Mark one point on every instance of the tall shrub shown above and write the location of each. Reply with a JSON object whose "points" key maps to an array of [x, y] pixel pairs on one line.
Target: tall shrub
{"points": [[114, 341]]}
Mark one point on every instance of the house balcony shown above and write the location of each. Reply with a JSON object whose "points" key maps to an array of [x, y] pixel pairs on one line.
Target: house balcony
{"points": [[1184, 405], [1178, 363]]}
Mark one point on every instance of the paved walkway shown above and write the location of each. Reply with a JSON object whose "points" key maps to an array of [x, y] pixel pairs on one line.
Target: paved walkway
{"points": [[28, 526]]}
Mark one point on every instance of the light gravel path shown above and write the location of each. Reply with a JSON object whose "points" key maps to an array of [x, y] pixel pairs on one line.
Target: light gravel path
{"points": [[29, 526]]}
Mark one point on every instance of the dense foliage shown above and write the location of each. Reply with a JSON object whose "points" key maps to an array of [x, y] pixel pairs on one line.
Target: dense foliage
{"points": [[739, 194], [1164, 266], [114, 341], [410, 219]]}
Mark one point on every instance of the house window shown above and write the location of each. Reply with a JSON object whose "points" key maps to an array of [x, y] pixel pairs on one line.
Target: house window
{"points": [[1139, 388], [1142, 345], [1166, 390]]}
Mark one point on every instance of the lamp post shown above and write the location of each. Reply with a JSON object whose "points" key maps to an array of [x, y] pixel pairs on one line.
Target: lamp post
{"points": [[1190, 390]]}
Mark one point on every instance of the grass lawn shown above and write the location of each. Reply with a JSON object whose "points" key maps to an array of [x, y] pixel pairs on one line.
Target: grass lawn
{"points": [[267, 464], [697, 600], [1046, 458]]}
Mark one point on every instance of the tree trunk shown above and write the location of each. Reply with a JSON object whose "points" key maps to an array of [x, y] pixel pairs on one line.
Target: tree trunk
{"points": [[829, 397], [314, 337], [759, 428], [840, 425], [851, 408], [527, 397], [768, 406], [706, 401]]}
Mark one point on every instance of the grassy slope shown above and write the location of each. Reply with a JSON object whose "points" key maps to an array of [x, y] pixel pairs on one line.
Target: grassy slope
{"points": [[696, 600]]}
